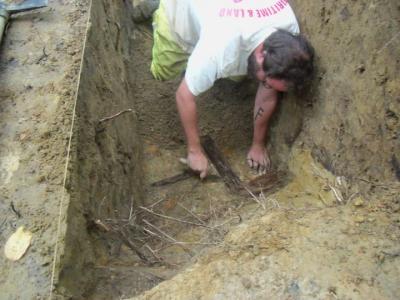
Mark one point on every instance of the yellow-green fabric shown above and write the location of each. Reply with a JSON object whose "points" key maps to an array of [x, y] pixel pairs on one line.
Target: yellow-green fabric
{"points": [[169, 60]]}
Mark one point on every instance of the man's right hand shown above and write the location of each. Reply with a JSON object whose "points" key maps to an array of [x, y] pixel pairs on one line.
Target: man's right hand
{"points": [[187, 109], [198, 162]]}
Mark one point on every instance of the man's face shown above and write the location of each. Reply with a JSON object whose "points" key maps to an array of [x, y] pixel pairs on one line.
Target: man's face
{"points": [[255, 71]]}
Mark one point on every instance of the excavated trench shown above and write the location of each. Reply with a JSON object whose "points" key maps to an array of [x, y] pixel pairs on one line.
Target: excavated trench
{"points": [[85, 131]]}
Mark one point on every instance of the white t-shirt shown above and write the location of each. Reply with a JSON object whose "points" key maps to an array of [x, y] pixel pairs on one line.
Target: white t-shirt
{"points": [[221, 34]]}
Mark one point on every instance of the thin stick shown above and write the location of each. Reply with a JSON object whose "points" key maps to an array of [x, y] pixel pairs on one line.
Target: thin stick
{"points": [[154, 204], [5, 220], [125, 239], [131, 210], [174, 241], [226, 222], [173, 219], [117, 221], [337, 193], [160, 231], [154, 253], [153, 234], [116, 115], [17, 213], [270, 199], [389, 42], [100, 205], [254, 197], [43, 57], [105, 227], [212, 211], [192, 214], [160, 260], [197, 243]]}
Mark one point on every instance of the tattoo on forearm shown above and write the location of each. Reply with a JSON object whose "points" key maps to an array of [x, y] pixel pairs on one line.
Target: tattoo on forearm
{"points": [[259, 113]]}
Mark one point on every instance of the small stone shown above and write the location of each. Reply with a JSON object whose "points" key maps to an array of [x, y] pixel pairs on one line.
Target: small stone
{"points": [[41, 179], [23, 137], [360, 69], [359, 202], [371, 281], [332, 290], [256, 251], [380, 257], [360, 219], [246, 283], [233, 254]]}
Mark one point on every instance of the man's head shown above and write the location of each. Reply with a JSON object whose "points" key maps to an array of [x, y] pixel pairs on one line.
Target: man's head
{"points": [[283, 61]]}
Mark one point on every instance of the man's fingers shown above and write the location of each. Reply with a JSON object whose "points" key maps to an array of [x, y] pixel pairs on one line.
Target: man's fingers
{"points": [[259, 161], [203, 174], [201, 169], [261, 169], [183, 161], [250, 162], [268, 164]]}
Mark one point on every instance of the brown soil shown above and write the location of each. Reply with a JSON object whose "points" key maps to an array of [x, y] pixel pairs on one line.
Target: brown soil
{"points": [[40, 60], [332, 231]]}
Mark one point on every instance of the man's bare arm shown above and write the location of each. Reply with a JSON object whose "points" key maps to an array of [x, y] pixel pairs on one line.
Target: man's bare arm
{"points": [[187, 109], [265, 104]]}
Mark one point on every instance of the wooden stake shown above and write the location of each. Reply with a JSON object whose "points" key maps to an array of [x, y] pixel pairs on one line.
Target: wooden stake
{"points": [[231, 180]]}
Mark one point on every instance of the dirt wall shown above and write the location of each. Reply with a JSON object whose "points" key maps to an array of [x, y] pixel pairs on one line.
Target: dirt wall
{"points": [[105, 169], [352, 115], [52, 89]]}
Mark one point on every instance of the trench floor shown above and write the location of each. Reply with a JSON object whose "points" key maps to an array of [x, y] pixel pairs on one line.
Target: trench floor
{"points": [[180, 221]]}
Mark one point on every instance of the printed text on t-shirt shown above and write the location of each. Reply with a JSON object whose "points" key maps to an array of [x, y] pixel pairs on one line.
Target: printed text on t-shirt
{"points": [[254, 13]]}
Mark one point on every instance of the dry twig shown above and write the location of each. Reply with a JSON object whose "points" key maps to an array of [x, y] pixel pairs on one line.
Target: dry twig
{"points": [[2, 224], [157, 202], [17, 213], [115, 115], [154, 253], [254, 197], [192, 214], [337, 193], [160, 231], [43, 56], [172, 218], [172, 240], [123, 237]]}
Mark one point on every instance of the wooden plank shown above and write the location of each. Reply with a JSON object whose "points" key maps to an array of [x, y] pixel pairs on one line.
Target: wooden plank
{"points": [[174, 179], [231, 180]]}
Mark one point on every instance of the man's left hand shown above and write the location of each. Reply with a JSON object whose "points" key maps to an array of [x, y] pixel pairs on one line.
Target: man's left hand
{"points": [[258, 158]]}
